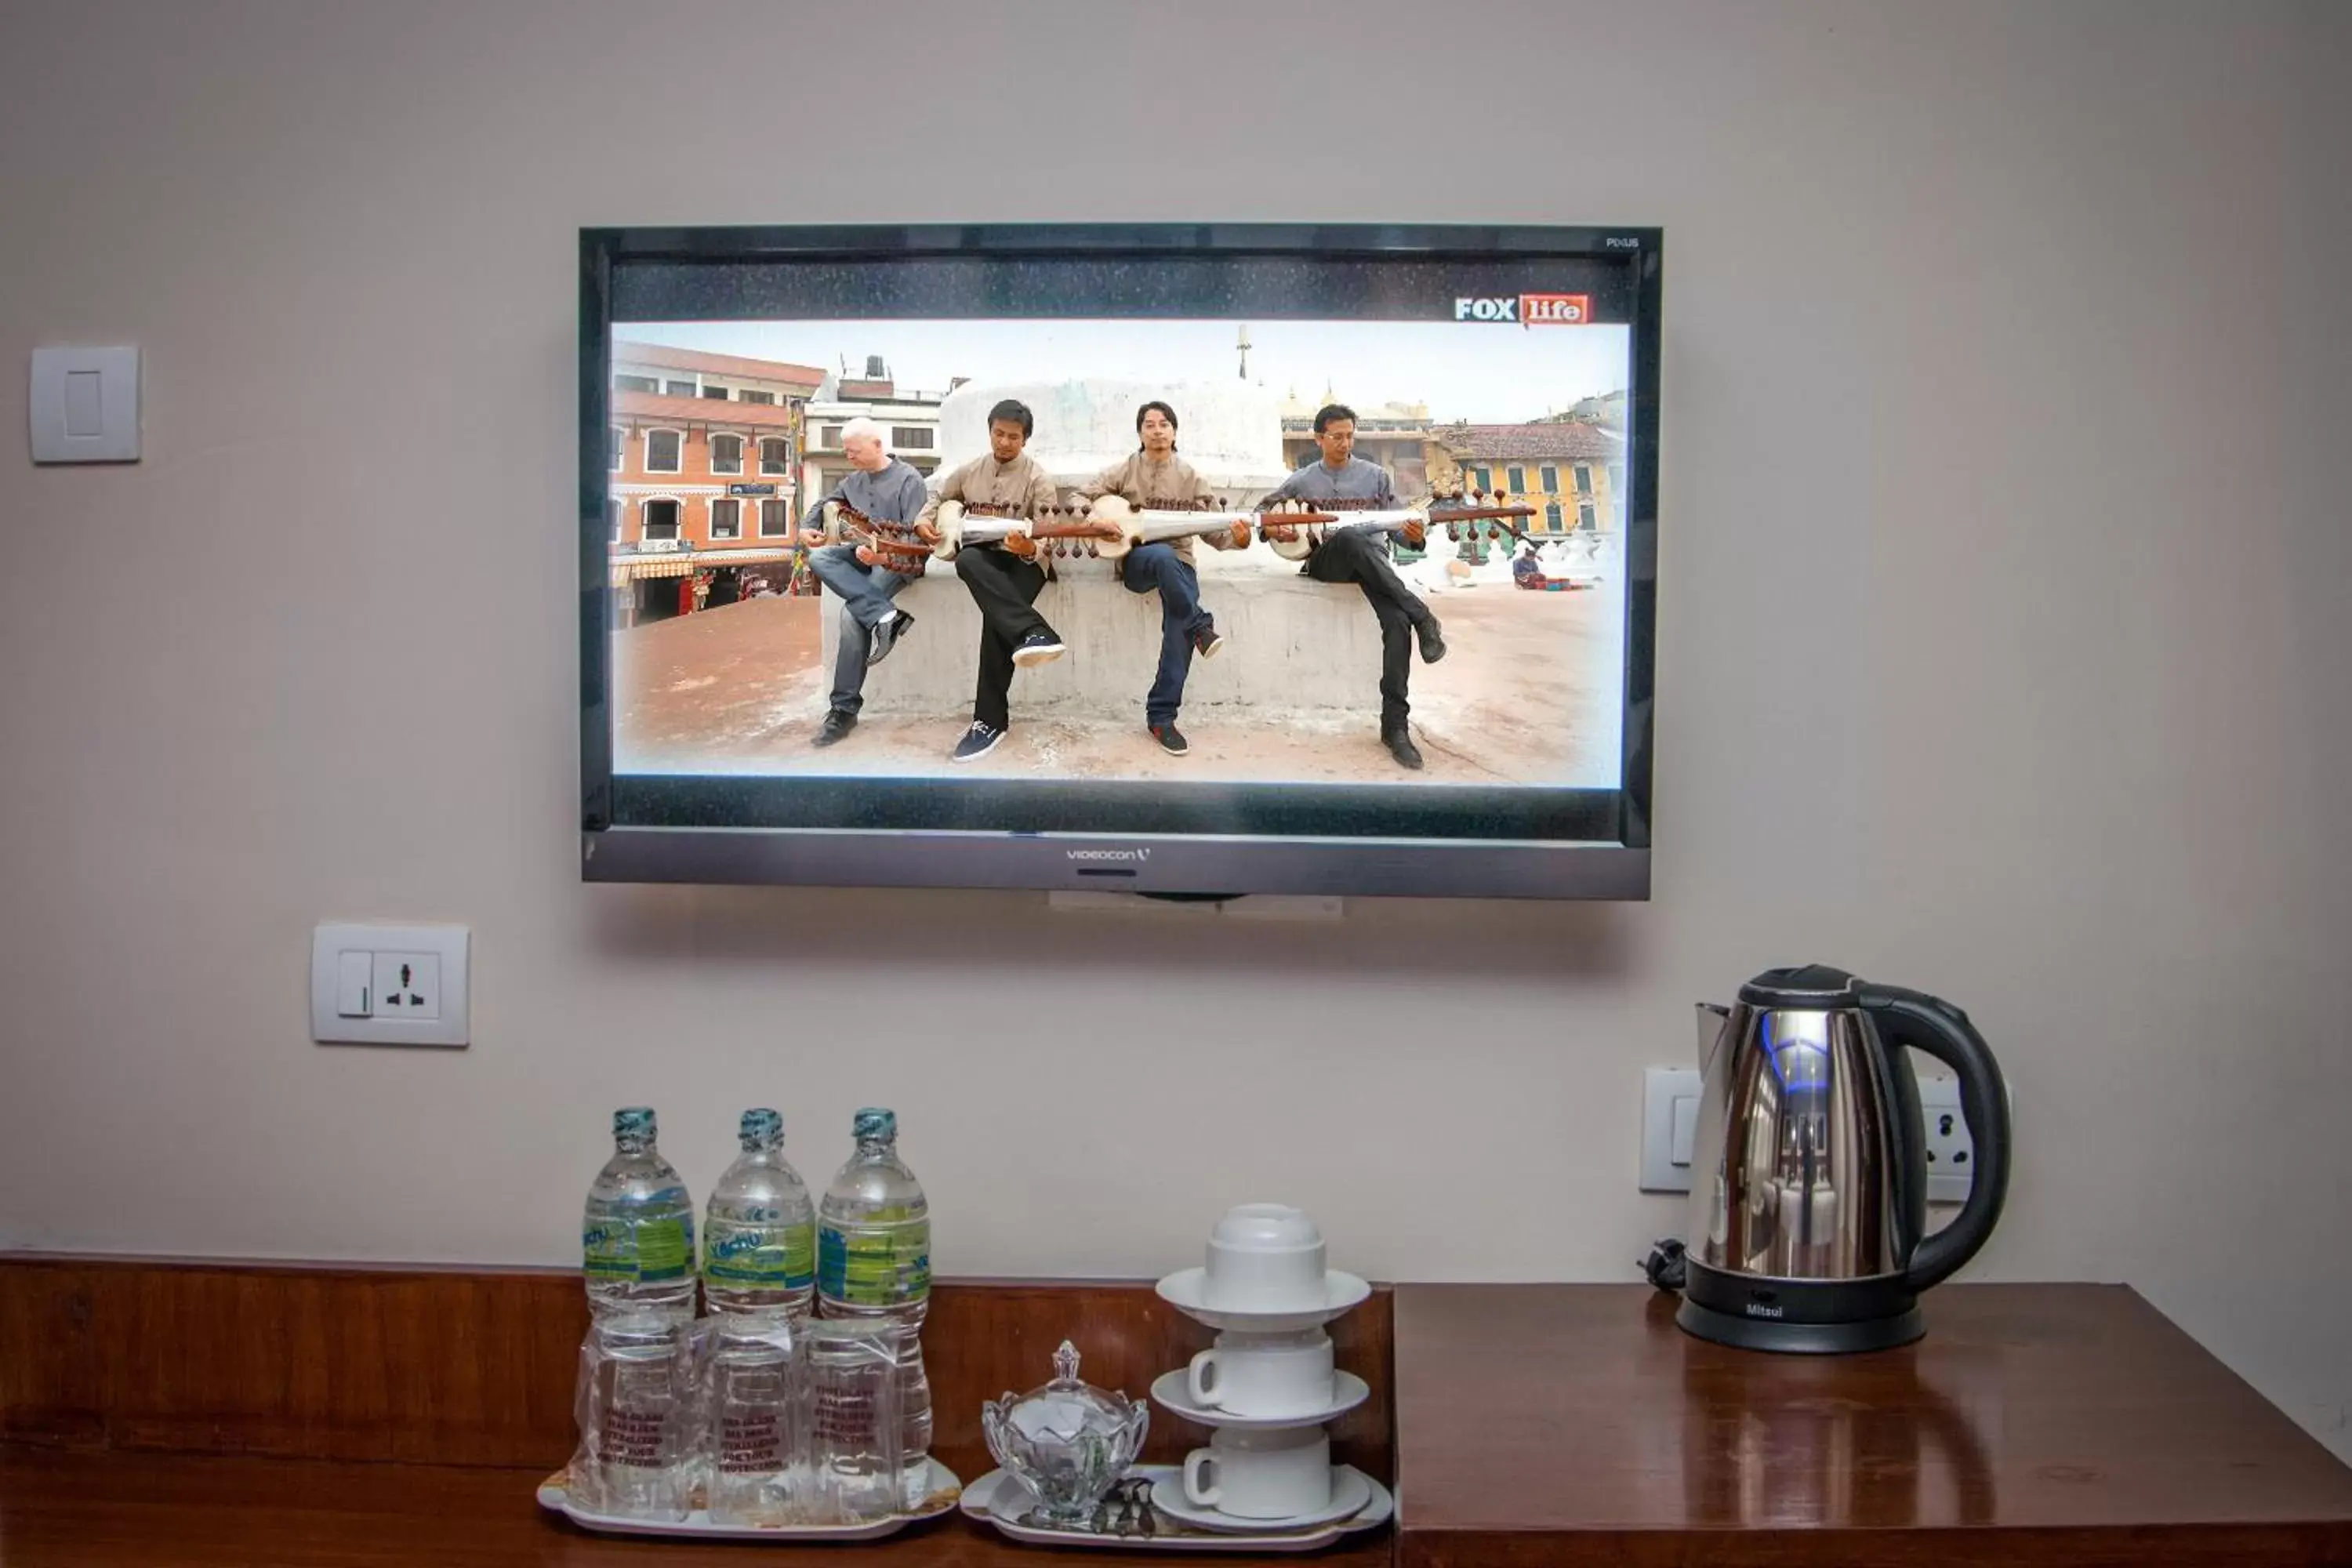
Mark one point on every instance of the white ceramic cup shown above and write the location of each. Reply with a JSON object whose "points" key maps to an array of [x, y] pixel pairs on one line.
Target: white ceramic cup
{"points": [[1280, 1474], [1264, 1374], [1265, 1257]]}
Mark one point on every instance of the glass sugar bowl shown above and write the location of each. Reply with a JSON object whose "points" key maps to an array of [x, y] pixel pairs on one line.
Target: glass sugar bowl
{"points": [[1067, 1442]]}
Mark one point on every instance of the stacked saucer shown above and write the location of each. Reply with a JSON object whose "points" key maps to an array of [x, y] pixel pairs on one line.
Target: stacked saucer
{"points": [[1267, 1387]]}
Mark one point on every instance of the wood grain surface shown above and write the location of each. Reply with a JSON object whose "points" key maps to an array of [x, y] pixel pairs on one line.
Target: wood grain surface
{"points": [[2057, 1424]]}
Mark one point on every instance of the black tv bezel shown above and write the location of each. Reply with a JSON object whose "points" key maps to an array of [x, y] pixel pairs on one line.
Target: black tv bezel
{"points": [[704, 836]]}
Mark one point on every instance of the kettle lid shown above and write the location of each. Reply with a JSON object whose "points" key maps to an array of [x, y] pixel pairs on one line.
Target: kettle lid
{"points": [[1809, 985]]}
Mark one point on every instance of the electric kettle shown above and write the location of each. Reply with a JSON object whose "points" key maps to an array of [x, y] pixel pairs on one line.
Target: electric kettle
{"points": [[1809, 1176]]}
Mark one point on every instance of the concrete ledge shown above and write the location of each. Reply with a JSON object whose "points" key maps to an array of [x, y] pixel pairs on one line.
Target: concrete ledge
{"points": [[1290, 643]]}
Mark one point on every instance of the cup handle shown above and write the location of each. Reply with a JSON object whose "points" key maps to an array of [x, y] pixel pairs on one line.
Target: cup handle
{"points": [[1195, 1493], [1200, 1382]]}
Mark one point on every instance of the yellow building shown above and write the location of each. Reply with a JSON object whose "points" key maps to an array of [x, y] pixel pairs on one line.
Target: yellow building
{"points": [[1572, 471]]}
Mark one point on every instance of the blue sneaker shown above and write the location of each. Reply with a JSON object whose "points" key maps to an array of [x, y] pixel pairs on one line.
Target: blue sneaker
{"points": [[1038, 648], [977, 743]]}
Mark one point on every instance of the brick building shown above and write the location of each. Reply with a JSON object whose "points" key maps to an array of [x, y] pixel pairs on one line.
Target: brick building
{"points": [[703, 458]]}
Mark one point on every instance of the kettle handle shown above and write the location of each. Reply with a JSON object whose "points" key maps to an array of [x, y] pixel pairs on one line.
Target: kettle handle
{"points": [[1915, 1018]]}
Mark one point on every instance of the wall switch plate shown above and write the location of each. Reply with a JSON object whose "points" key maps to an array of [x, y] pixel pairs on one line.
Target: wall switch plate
{"points": [[389, 985], [1951, 1153], [1669, 1122], [84, 405]]}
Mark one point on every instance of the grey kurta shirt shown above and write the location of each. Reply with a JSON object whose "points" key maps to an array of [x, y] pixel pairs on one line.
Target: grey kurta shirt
{"points": [[1356, 480], [1146, 483]]}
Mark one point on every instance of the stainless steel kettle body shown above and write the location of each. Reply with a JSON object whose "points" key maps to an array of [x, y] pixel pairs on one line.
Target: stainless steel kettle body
{"points": [[1809, 1188]]}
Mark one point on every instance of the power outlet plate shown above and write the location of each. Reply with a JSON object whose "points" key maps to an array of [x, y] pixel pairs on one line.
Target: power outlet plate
{"points": [[1951, 1151], [389, 984], [1669, 1123]]}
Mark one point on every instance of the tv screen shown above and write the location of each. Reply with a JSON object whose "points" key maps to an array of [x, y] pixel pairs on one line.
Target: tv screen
{"points": [[1203, 559]]}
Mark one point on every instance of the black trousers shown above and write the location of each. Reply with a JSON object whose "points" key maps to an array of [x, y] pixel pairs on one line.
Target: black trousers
{"points": [[1006, 587], [1355, 555]]}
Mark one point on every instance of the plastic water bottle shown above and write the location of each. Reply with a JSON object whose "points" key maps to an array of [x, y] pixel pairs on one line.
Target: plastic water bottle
{"points": [[636, 1234], [759, 1235], [873, 1261]]}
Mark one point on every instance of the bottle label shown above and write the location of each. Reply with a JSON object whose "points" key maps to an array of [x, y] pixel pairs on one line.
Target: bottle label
{"points": [[665, 1248], [882, 1266], [608, 1251], [646, 1249], [770, 1257]]}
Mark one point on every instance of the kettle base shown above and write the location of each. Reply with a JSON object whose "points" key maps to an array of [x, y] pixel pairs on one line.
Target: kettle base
{"points": [[1800, 1339]]}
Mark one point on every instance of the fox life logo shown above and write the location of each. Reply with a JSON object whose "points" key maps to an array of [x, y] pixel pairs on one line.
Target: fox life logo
{"points": [[1527, 310]]}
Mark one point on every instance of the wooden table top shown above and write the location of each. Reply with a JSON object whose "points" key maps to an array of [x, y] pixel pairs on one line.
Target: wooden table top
{"points": [[120, 1509], [2034, 1424]]}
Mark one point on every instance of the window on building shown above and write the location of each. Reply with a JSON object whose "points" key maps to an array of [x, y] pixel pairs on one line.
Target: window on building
{"points": [[727, 518], [1553, 518], [661, 520], [661, 451], [775, 455], [1584, 516], [1551, 478], [749, 396], [775, 519], [1584, 478], [612, 516], [613, 436], [1485, 480], [1617, 479], [720, 393], [828, 436], [727, 454], [1518, 478], [921, 437], [679, 389], [636, 383]]}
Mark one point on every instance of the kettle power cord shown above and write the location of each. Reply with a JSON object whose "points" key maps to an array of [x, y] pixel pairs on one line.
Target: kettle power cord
{"points": [[1664, 1266]]}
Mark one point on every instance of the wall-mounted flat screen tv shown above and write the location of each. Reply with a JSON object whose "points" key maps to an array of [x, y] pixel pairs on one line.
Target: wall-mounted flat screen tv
{"points": [[1181, 559]]}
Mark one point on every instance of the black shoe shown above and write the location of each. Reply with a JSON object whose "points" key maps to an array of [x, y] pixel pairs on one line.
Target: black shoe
{"points": [[1208, 640], [977, 742], [1433, 644], [1399, 744], [1038, 648], [1171, 739], [885, 637], [836, 727]]}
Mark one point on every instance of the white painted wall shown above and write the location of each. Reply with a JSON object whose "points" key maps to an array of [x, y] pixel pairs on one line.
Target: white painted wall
{"points": [[2004, 571]]}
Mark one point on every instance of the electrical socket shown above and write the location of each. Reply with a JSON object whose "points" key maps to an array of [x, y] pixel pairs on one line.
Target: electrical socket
{"points": [[1951, 1151]]}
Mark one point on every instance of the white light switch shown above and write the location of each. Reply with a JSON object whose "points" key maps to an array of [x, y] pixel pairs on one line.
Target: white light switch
{"points": [[355, 980], [85, 412], [389, 985], [85, 405], [1686, 1130]]}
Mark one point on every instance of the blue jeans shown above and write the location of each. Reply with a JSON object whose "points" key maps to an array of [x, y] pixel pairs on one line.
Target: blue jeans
{"points": [[866, 594], [1150, 566]]}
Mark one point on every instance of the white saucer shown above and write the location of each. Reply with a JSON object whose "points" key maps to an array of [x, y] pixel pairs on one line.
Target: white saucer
{"points": [[1173, 1391], [1341, 1292], [997, 1500], [1352, 1489]]}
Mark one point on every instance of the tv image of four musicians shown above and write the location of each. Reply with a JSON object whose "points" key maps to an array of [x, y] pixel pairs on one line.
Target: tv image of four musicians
{"points": [[1004, 577]]}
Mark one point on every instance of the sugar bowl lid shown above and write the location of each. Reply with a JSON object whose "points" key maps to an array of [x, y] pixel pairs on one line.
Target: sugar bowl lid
{"points": [[1066, 1407]]}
